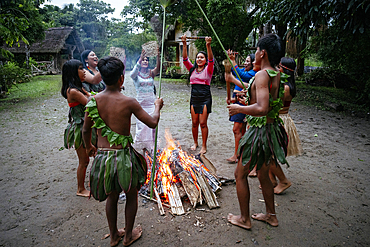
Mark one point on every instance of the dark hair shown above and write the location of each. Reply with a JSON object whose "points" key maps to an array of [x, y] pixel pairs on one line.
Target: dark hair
{"points": [[70, 78], [273, 46], [84, 56], [252, 56], [195, 65], [111, 69], [289, 69]]}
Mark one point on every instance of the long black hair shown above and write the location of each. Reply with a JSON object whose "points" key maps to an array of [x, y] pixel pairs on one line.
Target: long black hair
{"points": [[288, 65], [84, 56], [195, 65], [70, 78]]}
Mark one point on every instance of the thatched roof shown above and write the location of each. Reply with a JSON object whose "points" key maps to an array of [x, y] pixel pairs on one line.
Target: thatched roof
{"points": [[56, 39]]}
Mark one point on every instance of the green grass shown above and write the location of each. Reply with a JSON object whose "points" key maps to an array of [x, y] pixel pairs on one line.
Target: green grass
{"points": [[312, 61], [39, 87], [318, 96], [173, 81]]}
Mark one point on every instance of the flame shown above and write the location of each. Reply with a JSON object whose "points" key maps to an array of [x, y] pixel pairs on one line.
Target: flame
{"points": [[164, 174]]}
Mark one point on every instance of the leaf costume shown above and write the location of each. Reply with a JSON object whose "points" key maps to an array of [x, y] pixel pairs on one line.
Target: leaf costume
{"points": [[114, 169], [73, 132], [264, 141]]}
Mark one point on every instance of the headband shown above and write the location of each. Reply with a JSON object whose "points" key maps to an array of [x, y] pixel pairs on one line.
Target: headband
{"points": [[286, 67]]}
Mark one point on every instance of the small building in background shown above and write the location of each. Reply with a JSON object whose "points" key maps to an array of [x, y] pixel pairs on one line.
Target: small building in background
{"points": [[60, 44]]}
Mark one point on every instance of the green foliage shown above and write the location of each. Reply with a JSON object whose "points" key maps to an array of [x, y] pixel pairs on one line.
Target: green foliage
{"points": [[37, 87], [92, 18], [328, 77], [172, 71], [19, 20], [232, 34], [54, 16], [318, 96], [11, 74]]}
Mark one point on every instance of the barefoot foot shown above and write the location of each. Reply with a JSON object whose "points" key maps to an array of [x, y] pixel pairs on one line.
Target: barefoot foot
{"points": [[115, 241], [136, 234], [237, 220], [281, 187], [268, 218], [194, 147], [253, 173], [203, 150], [83, 193], [232, 159]]}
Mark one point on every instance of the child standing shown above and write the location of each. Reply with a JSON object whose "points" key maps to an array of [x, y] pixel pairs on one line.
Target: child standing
{"points": [[72, 76], [117, 166], [266, 139]]}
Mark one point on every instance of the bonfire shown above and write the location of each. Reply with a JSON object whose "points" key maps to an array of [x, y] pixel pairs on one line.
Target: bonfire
{"points": [[179, 176]]}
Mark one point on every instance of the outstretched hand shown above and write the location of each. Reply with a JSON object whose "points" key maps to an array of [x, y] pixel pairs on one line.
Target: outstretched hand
{"points": [[231, 54], [183, 38]]}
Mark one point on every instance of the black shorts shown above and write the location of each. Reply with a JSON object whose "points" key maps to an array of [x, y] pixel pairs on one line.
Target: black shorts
{"points": [[200, 96]]}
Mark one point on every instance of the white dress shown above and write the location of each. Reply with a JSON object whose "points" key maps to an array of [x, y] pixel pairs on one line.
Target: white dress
{"points": [[144, 85]]}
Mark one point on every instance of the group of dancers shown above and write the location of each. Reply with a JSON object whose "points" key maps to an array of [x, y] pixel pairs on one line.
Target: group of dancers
{"points": [[99, 126]]}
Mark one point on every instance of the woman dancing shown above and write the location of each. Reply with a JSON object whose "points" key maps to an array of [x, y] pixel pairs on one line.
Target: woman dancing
{"points": [[143, 78], [200, 76]]}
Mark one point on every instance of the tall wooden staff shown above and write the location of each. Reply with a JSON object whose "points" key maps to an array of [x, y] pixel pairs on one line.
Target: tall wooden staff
{"points": [[219, 41], [165, 4]]}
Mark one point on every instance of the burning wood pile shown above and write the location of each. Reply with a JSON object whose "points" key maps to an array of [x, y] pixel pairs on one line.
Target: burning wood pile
{"points": [[181, 176]]}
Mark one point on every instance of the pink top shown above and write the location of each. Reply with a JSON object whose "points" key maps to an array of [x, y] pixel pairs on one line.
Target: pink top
{"points": [[203, 77]]}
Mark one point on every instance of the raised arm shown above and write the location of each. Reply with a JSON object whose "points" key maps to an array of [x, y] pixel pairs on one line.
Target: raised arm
{"points": [[231, 55], [155, 71], [135, 70], [230, 78], [184, 48], [92, 79], [210, 55]]}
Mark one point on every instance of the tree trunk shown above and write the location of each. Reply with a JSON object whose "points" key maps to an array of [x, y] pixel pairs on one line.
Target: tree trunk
{"points": [[300, 59], [281, 30]]}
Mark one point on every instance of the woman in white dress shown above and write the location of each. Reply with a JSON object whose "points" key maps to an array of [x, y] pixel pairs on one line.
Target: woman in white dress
{"points": [[143, 78]]}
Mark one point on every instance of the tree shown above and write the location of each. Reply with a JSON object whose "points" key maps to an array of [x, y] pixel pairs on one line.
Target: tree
{"points": [[337, 30], [232, 20], [20, 20], [92, 20], [54, 16]]}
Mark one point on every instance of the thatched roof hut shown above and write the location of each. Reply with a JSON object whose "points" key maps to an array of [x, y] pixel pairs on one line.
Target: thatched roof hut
{"points": [[60, 44]]}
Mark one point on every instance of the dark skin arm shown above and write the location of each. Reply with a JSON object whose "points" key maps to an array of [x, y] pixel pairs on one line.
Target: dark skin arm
{"points": [[259, 98], [150, 120], [86, 135]]}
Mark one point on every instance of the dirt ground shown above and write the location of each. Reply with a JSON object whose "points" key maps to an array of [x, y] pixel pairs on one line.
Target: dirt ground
{"points": [[327, 205]]}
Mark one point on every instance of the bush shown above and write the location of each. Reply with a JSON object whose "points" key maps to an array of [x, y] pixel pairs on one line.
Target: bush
{"points": [[328, 77], [11, 74], [172, 71]]}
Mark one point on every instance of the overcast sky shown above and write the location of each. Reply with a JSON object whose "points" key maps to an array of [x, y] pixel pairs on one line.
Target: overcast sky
{"points": [[117, 4]]}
